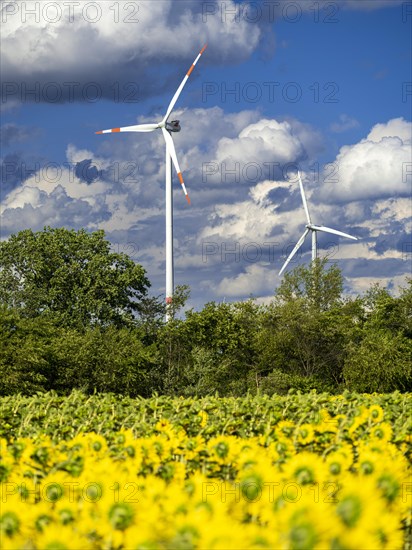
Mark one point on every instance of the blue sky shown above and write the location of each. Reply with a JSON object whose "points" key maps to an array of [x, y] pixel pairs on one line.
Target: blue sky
{"points": [[323, 86]]}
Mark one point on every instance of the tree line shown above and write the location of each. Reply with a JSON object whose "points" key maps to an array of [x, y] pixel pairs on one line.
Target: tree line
{"points": [[75, 315]]}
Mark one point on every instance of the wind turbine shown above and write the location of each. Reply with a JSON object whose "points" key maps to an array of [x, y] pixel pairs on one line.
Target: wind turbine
{"points": [[167, 128], [313, 228]]}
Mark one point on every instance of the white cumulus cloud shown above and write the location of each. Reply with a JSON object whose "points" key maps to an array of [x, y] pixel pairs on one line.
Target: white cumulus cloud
{"points": [[376, 167]]}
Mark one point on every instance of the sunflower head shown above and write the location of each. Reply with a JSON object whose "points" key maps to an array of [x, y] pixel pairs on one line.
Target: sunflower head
{"points": [[121, 515]]}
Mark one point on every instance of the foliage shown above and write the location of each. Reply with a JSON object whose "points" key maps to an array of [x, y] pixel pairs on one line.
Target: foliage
{"points": [[280, 383], [70, 275], [24, 358], [102, 360], [75, 315], [38, 356], [381, 363], [379, 358], [305, 338], [223, 335], [320, 288]]}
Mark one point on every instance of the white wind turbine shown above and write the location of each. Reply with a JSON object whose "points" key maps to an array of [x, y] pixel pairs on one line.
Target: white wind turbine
{"points": [[166, 128], [313, 228]]}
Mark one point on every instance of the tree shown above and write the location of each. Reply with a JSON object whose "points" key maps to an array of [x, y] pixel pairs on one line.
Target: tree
{"points": [[222, 352], [174, 346], [36, 355], [381, 363], [305, 331], [383, 311], [379, 354], [101, 359], [72, 276], [24, 353], [320, 288], [301, 344]]}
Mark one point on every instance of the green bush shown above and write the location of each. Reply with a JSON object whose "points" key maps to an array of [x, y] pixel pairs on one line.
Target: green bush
{"points": [[24, 353], [381, 363], [279, 383]]}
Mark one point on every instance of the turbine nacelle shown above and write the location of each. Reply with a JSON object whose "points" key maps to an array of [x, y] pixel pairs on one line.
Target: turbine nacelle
{"points": [[173, 126]]}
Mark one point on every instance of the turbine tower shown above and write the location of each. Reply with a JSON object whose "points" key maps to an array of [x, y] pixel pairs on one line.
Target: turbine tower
{"points": [[167, 128], [314, 229]]}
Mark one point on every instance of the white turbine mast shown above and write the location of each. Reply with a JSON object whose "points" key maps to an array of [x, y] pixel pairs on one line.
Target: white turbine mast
{"points": [[167, 128], [311, 227]]}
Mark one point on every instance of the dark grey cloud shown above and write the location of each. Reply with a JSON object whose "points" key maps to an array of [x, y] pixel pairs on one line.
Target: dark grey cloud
{"points": [[15, 168], [12, 134], [86, 171], [394, 237], [120, 51], [384, 268]]}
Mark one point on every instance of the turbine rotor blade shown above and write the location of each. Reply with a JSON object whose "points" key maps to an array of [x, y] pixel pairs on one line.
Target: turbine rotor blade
{"points": [[172, 152], [334, 232], [180, 88], [136, 128], [297, 246], [305, 204]]}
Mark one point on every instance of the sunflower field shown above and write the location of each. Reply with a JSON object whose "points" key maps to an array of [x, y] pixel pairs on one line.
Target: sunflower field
{"points": [[299, 471]]}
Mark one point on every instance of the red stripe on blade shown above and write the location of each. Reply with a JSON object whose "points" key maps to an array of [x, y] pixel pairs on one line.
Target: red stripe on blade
{"points": [[203, 49], [189, 72], [115, 129], [179, 175], [99, 132]]}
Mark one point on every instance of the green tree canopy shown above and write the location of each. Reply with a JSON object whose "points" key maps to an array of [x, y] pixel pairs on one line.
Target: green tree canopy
{"points": [[304, 331], [315, 286], [72, 275]]}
